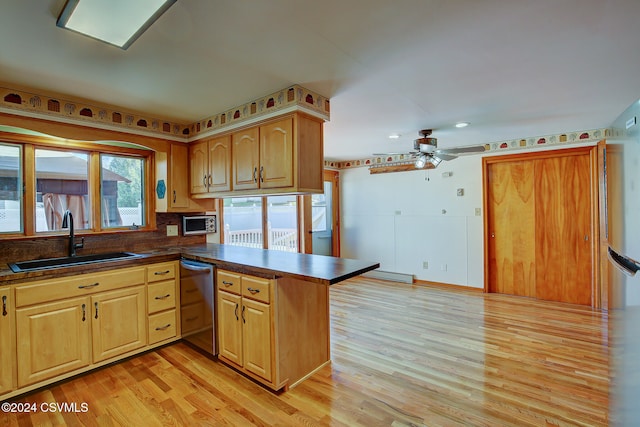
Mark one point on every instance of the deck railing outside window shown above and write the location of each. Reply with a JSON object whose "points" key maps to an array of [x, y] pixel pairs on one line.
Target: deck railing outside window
{"points": [[282, 239]]}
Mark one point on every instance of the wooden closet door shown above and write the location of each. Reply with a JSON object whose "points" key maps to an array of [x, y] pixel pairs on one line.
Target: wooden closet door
{"points": [[511, 226], [564, 229]]}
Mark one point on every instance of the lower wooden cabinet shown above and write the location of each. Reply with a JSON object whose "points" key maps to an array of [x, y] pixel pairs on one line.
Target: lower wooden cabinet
{"points": [[163, 288], [274, 330], [53, 338], [245, 324], [7, 342], [50, 329], [118, 322]]}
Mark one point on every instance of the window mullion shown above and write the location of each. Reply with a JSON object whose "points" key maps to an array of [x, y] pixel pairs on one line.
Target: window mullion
{"points": [[265, 224], [95, 195], [29, 194]]}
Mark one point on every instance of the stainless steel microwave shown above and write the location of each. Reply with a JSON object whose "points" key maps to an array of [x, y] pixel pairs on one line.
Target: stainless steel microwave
{"points": [[201, 224]]}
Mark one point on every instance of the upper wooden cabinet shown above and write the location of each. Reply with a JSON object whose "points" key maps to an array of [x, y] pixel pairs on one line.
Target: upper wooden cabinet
{"points": [[278, 156], [172, 186], [211, 165]]}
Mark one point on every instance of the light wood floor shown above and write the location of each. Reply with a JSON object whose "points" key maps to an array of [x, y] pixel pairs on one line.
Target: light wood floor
{"points": [[401, 356]]}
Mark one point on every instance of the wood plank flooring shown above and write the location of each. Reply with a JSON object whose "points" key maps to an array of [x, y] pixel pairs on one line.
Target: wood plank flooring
{"points": [[402, 355]]}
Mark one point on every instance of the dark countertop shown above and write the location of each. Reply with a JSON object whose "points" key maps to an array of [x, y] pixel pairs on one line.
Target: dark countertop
{"points": [[313, 268]]}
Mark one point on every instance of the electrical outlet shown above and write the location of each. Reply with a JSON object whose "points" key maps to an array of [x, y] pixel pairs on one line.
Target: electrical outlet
{"points": [[443, 267], [478, 212], [172, 230], [398, 212], [460, 192], [425, 265]]}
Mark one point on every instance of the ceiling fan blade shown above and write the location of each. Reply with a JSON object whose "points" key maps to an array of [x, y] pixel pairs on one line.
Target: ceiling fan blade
{"points": [[398, 153], [463, 150], [445, 156]]}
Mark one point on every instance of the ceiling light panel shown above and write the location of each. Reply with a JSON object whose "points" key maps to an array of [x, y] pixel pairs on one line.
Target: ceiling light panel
{"points": [[117, 22]]}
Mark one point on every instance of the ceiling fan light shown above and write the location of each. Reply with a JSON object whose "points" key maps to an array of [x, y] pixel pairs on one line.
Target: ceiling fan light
{"points": [[421, 161], [435, 161]]}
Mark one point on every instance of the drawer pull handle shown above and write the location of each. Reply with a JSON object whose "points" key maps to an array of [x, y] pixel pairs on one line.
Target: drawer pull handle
{"points": [[261, 173], [253, 290], [84, 312], [236, 311], [224, 282], [162, 328], [88, 286], [191, 319], [4, 305], [243, 319], [164, 296], [255, 172], [162, 273], [96, 305]]}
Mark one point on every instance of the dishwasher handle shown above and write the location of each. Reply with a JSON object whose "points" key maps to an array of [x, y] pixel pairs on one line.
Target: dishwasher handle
{"points": [[195, 267]]}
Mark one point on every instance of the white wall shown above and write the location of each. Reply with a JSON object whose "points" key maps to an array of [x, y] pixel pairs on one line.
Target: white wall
{"points": [[406, 218]]}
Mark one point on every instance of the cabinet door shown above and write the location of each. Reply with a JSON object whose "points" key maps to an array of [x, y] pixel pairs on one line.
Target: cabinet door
{"points": [[276, 154], [220, 164], [178, 181], [245, 157], [118, 322], [7, 352], [257, 337], [198, 160], [230, 327], [53, 339]]}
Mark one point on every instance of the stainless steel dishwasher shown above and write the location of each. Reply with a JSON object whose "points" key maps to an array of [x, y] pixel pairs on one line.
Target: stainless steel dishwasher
{"points": [[197, 305]]}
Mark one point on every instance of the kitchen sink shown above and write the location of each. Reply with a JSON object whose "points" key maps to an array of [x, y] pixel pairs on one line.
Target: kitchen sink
{"points": [[49, 263]]}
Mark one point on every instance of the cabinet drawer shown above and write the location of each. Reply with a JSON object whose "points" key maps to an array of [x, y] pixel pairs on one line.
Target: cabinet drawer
{"points": [[192, 317], [73, 286], [228, 282], [162, 326], [159, 272], [161, 296], [256, 288]]}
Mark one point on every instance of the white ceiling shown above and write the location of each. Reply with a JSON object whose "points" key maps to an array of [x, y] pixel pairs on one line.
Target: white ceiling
{"points": [[513, 68]]}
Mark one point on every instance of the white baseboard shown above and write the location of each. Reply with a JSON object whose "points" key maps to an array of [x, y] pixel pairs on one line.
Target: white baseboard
{"points": [[389, 275]]}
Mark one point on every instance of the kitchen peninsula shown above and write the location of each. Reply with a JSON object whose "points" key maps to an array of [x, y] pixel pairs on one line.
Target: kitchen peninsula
{"points": [[273, 309], [272, 313]]}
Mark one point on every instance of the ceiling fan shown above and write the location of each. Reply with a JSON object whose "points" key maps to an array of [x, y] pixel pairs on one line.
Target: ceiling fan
{"points": [[426, 151]]}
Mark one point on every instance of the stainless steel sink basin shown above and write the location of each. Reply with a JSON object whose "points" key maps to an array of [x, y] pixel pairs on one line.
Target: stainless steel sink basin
{"points": [[49, 263]]}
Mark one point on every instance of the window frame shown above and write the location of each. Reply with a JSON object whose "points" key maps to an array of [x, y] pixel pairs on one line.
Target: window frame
{"points": [[265, 218], [29, 143]]}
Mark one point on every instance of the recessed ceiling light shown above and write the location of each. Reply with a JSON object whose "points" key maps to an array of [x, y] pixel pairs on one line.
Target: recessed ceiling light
{"points": [[394, 136], [117, 22], [462, 124]]}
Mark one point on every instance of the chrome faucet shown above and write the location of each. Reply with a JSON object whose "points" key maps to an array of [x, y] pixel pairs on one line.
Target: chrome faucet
{"points": [[67, 221]]}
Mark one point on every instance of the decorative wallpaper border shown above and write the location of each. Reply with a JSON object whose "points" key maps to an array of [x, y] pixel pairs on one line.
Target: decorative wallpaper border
{"points": [[47, 106], [51, 106], [495, 147], [293, 96]]}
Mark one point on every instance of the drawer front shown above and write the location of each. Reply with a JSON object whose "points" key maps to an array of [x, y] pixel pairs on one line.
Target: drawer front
{"points": [[192, 317], [80, 285], [228, 282], [162, 326], [256, 288], [160, 272], [161, 296]]}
